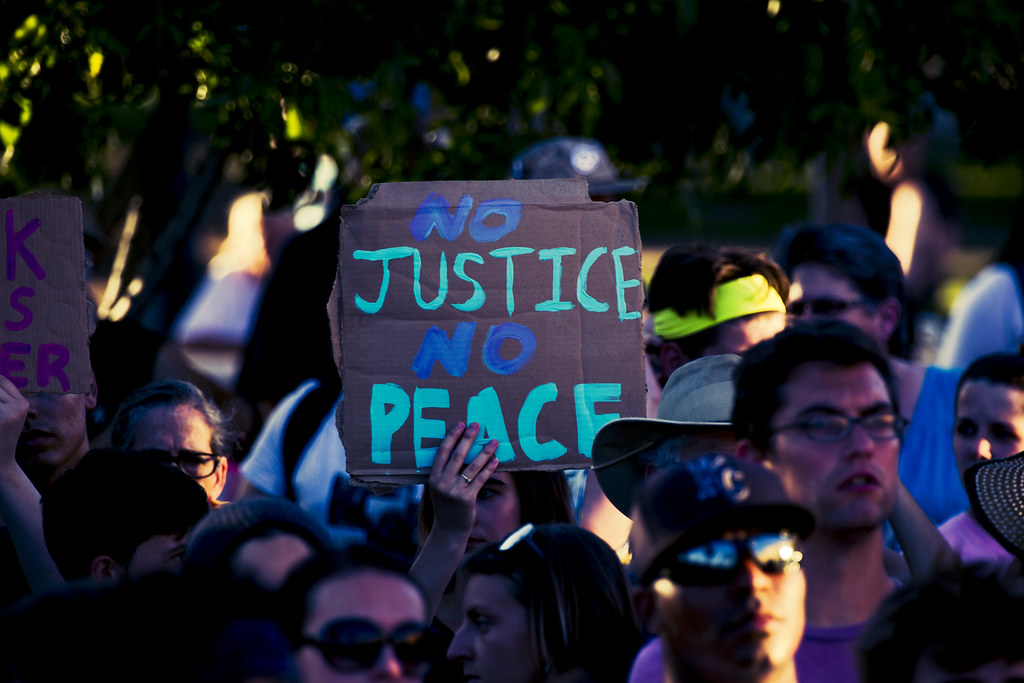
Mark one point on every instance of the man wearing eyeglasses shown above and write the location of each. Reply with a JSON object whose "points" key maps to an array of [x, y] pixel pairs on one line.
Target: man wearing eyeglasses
{"points": [[846, 272], [816, 405], [719, 559]]}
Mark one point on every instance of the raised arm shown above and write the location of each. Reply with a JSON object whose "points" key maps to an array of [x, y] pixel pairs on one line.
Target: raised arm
{"points": [[19, 499], [924, 548], [453, 491]]}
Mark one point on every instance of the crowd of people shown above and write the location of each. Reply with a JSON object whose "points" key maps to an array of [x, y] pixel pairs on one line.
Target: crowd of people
{"points": [[803, 503]]}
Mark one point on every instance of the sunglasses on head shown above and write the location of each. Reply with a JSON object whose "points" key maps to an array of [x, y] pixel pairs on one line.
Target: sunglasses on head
{"points": [[716, 561], [351, 645]]}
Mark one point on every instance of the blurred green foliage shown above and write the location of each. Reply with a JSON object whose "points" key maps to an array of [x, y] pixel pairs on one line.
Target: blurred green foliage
{"points": [[682, 90]]}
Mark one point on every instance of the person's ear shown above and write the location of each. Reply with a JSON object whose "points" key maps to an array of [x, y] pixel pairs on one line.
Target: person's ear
{"points": [[220, 478], [645, 602], [746, 450], [106, 568], [888, 315], [671, 357], [90, 398]]}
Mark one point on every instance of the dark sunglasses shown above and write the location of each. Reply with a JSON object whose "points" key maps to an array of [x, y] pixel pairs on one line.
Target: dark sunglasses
{"points": [[351, 645], [716, 562], [823, 307], [195, 464]]}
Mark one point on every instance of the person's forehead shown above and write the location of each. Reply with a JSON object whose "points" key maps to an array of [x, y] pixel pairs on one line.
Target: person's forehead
{"points": [[813, 280], [982, 392], [825, 381], [176, 415], [177, 422], [381, 596]]}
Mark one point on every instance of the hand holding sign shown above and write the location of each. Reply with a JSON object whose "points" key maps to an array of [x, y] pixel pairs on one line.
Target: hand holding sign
{"points": [[13, 409], [453, 488]]}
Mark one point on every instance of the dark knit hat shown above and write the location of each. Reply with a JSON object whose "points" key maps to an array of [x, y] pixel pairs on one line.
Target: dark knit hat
{"points": [[224, 530]]}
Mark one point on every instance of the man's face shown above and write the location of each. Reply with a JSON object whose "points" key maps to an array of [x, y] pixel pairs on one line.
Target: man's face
{"points": [[989, 423], [743, 629], [815, 285], [849, 483], [160, 553], [55, 436], [736, 336], [386, 601]]}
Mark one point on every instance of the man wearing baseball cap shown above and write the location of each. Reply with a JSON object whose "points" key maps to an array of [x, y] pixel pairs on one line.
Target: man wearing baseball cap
{"points": [[718, 554]]}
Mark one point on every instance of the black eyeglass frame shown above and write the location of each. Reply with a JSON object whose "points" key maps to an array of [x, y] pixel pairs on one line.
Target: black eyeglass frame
{"points": [[168, 458], [898, 425]]}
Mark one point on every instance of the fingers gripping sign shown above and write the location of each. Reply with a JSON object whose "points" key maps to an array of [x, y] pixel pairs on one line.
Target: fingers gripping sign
{"points": [[13, 410], [453, 485]]}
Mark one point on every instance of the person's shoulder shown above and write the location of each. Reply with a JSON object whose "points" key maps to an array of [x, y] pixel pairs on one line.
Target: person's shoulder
{"points": [[942, 378], [288, 403], [995, 278]]}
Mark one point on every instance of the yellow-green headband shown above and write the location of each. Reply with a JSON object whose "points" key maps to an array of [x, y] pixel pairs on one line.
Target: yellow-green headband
{"points": [[733, 299]]}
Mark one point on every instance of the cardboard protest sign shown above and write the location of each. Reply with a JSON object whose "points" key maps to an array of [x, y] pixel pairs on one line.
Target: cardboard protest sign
{"points": [[514, 304], [45, 334]]}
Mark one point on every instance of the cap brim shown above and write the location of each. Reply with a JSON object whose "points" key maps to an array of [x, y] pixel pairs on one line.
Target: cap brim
{"points": [[617, 448]]}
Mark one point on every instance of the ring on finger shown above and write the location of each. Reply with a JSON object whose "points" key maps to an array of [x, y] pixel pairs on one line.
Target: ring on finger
{"points": [[468, 480]]}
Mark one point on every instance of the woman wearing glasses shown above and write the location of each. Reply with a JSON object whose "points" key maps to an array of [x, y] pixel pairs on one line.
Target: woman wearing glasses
{"points": [[173, 421], [549, 603]]}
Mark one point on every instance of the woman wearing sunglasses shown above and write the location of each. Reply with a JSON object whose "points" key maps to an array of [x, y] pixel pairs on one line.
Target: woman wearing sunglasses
{"points": [[549, 603], [354, 615]]}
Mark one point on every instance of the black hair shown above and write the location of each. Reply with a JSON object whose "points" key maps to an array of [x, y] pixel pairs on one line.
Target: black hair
{"points": [[765, 368], [543, 499], [944, 619], [170, 393], [577, 599], [1006, 369], [298, 588], [111, 503], [686, 278], [856, 253]]}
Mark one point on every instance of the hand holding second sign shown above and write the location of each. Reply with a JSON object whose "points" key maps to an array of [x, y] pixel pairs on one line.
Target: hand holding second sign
{"points": [[454, 488], [13, 409]]}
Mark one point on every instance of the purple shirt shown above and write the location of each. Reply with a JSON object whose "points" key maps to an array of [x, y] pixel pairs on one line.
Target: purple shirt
{"points": [[826, 654]]}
